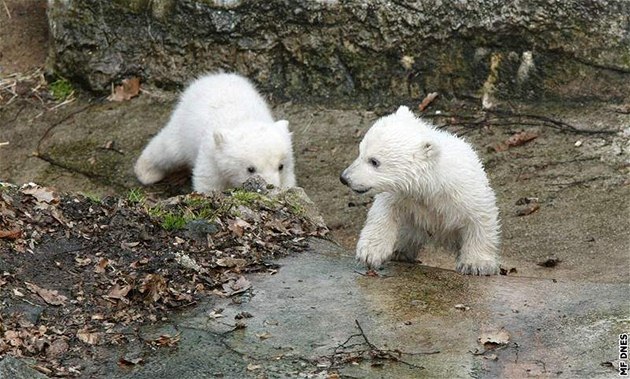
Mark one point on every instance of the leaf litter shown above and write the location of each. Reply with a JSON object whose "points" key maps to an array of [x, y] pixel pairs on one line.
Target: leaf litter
{"points": [[100, 269]]}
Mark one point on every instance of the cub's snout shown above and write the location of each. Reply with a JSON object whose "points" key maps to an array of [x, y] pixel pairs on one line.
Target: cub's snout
{"points": [[342, 178]]}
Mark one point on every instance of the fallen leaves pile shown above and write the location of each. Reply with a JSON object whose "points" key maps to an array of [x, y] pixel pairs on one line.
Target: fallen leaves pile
{"points": [[77, 273]]}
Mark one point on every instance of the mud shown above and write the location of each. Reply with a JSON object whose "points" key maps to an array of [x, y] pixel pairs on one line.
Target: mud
{"points": [[563, 321]]}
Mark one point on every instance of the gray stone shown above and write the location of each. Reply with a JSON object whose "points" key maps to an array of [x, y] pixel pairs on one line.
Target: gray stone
{"points": [[378, 52], [256, 183], [199, 230], [13, 368]]}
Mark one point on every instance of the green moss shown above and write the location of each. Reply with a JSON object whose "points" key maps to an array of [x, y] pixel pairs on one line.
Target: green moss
{"points": [[202, 208], [293, 202], [136, 196], [92, 197], [241, 197], [192, 208], [173, 221], [61, 89], [169, 220]]}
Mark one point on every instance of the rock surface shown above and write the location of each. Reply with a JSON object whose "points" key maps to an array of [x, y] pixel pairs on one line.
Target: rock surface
{"points": [[377, 52], [13, 368]]}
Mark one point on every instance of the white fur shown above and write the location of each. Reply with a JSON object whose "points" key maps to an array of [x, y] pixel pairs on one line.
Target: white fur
{"points": [[429, 184], [220, 127]]}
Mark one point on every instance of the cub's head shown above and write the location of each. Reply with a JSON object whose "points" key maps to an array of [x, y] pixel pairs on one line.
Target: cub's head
{"points": [[393, 154], [255, 148]]}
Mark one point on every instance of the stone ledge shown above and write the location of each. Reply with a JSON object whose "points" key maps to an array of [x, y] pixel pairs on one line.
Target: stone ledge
{"points": [[366, 52]]}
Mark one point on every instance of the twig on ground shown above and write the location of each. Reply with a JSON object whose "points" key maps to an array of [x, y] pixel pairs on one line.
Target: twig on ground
{"points": [[4, 143], [427, 101], [345, 351], [506, 118], [57, 123], [367, 341], [557, 124], [6, 8]]}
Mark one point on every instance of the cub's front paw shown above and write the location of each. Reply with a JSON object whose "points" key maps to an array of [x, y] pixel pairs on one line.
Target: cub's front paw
{"points": [[372, 256], [478, 267], [146, 172]]}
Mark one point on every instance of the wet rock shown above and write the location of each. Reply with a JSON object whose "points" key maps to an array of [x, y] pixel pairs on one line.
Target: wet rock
{"points": [[373, 52], [256, 183], [199, 230], [302, 204], [18, 369]]}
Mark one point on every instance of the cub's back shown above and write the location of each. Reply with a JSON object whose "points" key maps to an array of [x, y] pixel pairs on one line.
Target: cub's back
{"points": [[220, 101]]}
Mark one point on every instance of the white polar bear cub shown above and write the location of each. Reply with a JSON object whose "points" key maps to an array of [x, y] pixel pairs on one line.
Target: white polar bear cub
{"points": [[224, 130], [429, 184]]}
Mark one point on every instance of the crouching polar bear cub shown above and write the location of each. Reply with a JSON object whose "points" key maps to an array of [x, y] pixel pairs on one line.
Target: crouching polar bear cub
{"points": [[223, 129], [429, 185]]}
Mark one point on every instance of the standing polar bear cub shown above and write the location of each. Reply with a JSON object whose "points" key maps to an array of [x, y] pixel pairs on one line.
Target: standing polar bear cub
{"points": [[429, 185], [223, 129]]}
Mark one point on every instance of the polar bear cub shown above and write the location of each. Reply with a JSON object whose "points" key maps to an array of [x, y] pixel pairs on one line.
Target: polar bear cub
{"points": [[429, 185], [223, 129]]}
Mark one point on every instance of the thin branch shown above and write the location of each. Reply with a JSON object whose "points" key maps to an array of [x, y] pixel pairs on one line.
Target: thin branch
{"points": [[57, 123], [502, 118], [6, 8], [367, 341], [342, 355], [557, 124]]}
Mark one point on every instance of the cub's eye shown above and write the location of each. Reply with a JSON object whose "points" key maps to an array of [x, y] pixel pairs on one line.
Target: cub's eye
{"points": [[251, 169], [280, 167], [374, 162]]}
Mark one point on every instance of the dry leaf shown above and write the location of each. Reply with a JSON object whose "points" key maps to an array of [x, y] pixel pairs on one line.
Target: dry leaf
{"points": [[217, 313], [13, 338], [500, 147], [11, 234], [99, 268], [166, 340], [253, 367], [82, 261], [237, 286], [51, 297], [41, 194], [372, 273], [231, 262], [154, 286], [118, 292], [129, 245], [57, 348], [529, 209], [494, 338], [124, 361], [427, 101], [263, 335], [549, 262], [128, 89], [521, 138], [276, 225], [90, 338], [237, 226]]}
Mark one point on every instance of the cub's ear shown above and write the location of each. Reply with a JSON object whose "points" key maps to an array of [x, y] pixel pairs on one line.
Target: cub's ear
{"points": [[219, 138], [428, 150], [404, 111], [283, 124]]}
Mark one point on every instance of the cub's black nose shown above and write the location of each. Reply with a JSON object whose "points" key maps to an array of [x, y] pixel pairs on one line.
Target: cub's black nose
{"points": [[343, 180]]}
